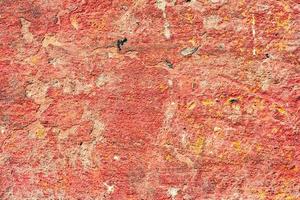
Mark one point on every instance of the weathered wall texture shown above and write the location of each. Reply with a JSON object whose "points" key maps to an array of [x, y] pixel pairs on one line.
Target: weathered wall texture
{"points": [[149, 100]]}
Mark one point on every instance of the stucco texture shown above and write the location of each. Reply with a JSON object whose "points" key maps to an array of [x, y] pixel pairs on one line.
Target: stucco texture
{"points": [[149, 100]]}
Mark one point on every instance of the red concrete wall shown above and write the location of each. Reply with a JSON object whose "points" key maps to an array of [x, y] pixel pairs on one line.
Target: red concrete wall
{"points": [[149, 99]]}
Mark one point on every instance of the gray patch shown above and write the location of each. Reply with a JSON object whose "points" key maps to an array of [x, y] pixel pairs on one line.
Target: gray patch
{"points": [[169, 64], [189, 51]]}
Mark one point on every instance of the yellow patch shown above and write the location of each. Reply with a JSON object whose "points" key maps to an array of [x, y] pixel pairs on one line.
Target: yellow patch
{"points": [[281, 45], [284, 196], [163, 87], [282, 22], [274, 130], [192, 41], [98, 24], [296, 169], [168, 158], [190, 17], [191, 105], [40, 133], [258, 147], [237, 146], [33, 60], [289, 197], [281, 110], [254, 89], [198, 145], [262, 195], [208, 102], [226, 18], [74, 22]]}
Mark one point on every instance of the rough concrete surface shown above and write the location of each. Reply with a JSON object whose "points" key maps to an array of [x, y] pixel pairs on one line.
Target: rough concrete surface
{"points": [[149, 99]]}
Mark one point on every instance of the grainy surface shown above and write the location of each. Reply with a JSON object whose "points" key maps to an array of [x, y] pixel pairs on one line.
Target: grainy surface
{"points": [[145, 99]]}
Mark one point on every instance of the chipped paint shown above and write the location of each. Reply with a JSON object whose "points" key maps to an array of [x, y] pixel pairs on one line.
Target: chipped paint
{"points": [[27, 35], [208, 102], [51, 40], [173, 192], [212, 22], [161, 5], [198, 145]]}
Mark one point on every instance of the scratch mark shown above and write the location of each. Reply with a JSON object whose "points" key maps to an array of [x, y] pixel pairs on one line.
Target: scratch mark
{"points": [[161, 5], [253, 35]]}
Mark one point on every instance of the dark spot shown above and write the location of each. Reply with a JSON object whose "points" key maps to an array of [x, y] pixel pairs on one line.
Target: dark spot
{"points": [[55, 19], [233, 100], [169, 64], [194, 85], [120, 43], [188, 0], [267, 55], [276, 81], [81, 143], [292, 167]]}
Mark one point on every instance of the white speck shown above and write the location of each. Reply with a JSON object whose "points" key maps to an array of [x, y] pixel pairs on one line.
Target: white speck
{"points": [[109, 188], [2, 129], [172, 192], [217, 129], [167, 31], [184, 138], [262, 7], [102, 80], [219, 2], [187, 197], [116, 157], [170, 83], [204, 84], [110, 55], [161, 4]]}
